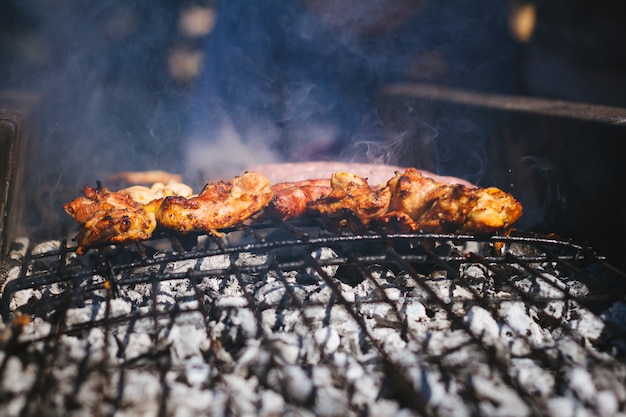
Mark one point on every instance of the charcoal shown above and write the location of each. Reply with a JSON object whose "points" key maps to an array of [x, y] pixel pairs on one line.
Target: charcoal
{"points": [[306, 331]]}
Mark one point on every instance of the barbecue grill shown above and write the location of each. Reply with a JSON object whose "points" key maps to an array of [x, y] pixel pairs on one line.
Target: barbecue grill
{"points": [[292, 318], [296, 318]]}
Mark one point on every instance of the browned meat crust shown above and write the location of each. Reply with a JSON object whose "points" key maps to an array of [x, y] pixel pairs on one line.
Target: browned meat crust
{"points": [[352, 202], [111, 217], [412, 202], [219, 205], [420, 203], [291, 198]]}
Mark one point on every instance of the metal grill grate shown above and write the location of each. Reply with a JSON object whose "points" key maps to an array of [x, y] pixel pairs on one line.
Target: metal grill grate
{"points": [[288, 319]]}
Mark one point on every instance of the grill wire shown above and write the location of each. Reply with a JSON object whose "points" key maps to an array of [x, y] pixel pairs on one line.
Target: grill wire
{"points": [[289, 319]]}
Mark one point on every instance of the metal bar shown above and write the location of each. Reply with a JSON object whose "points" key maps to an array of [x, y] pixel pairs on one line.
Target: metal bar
{"points": [[539, 106]]}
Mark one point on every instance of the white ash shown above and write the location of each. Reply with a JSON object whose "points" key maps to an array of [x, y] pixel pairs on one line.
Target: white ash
{"points": [[323, 254], [483, 325], [45, 247], [477, 277], [272, 403], [500, 400], [329, 399], [18, 248], [91, 394], [539, 382], [37, 329], [587, 324], [328, 339], [141, 394], [183, 342], [520, 330], [581, 383], [243, 393], [296, 384], [18, 378], [380, 285], [605, 403], [24, 297]]}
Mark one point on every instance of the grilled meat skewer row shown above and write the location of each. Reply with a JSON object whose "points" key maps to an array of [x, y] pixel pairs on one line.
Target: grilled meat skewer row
{"points": [[411, 202]]}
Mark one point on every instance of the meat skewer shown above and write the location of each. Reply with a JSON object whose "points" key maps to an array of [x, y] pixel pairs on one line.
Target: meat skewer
{"points": [[408, 202]]}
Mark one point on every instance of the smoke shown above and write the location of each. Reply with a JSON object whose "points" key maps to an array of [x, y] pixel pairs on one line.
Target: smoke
{"points": [[313, 76], [373, 152], [292, 86], [445, 145], [545, 197], [104, 100], [226, 154], [460, 149]]}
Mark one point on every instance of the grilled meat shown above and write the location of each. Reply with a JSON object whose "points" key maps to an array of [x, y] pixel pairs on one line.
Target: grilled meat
{"points": [[408, 202], [352, 202], [291, 198], [111, 217], [412, 202], [420, 203], [220, 204]]}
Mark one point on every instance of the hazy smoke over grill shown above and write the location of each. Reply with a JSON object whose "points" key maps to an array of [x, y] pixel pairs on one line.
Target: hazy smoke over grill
{"points": [[299, 81], [280, 81], [103, 97], [547, 196]]}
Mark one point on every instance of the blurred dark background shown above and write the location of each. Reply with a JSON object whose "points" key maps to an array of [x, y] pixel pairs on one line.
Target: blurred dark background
{"points": [[105, 84]]}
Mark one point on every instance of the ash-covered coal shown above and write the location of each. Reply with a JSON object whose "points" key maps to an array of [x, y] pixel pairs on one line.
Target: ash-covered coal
{"points": [[284, 330]]}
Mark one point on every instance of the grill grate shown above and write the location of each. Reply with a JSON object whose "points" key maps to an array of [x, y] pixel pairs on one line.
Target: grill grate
{"points": [[287, 318]]}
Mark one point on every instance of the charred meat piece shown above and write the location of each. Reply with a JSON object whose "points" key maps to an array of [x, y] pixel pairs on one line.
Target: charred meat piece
{"points": [[219, 205], [291, 198], [420, 203], [111, 217], [101, 199], [412, 202], [352, 202]]}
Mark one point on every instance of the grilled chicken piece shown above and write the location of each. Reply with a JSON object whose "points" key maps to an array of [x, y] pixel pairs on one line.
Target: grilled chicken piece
{"points": [[494, 210], [99, 199], [352, 202], [420, 203], [111, 217], [291, 198], [220, 204]]}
